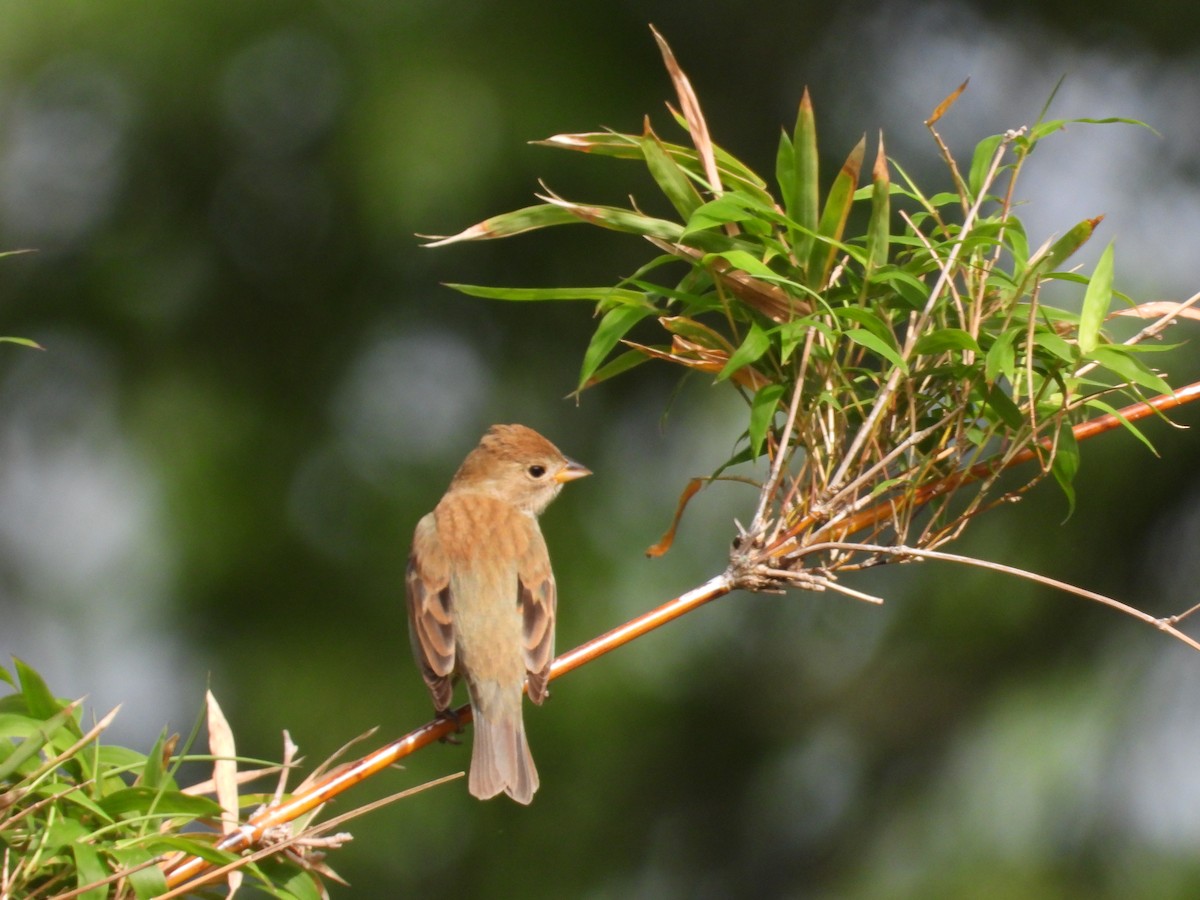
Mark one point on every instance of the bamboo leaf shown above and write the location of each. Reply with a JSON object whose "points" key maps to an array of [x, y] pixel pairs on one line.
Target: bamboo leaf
{"points": [[619, 364], [43, 733], [1002, 358], [802, 203], [756, 343], [872, 342], [834, 215], [147, 881], [617, 219], [1065, 246], [669, 175], [1099, 404], [24, 342], [605, 295], [944, 339], [727, 208], [88, 870], [613, 326], [742, 260], [981, 162], [690, 106], [1005, 408], [519, 221], [40, 703], [1066, 464], [1117, 359], [762, 412], [785, 170], [1096, 301], [668, 538], [942, 108], [879, 225]]}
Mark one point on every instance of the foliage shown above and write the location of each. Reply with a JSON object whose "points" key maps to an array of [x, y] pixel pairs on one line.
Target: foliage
{"points": [[893, 344], [82, 819]]}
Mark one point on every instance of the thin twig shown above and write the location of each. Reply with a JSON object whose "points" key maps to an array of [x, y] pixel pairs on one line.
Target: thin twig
{"points": [[915, 553]]}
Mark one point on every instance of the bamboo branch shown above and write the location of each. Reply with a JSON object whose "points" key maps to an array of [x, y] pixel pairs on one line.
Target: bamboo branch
{"points": [[251, 833], [195, 870], [924, 493]]}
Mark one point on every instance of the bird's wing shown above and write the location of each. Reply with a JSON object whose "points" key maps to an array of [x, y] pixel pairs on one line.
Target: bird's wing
{"points": [[430, 618], [538, 598]]}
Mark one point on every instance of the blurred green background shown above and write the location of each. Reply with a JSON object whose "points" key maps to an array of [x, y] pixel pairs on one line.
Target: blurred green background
{"points": [[254, 384]]}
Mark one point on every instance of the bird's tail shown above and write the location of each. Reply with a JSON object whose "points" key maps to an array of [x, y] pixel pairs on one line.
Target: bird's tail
{"points": [[500, 758]]}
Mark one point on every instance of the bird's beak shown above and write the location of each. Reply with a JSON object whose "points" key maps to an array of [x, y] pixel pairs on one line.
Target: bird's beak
{"points": [[572, 471]]}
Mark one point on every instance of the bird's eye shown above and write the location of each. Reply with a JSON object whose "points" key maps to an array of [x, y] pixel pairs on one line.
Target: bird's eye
{"points": [[537, 471]]}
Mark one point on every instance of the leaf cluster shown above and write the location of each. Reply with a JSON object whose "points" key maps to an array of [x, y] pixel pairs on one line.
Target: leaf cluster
{"points": [[893, 344], [79, 818]]}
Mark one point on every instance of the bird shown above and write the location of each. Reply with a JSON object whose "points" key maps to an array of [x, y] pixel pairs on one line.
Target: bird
{"points": [[482, 598]]}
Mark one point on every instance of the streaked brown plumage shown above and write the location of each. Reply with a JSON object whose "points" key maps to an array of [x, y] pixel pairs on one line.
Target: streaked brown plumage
{"points": [[481, 597]]}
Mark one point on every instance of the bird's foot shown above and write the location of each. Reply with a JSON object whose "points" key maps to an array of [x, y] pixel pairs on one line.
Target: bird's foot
{"points": [[451, 716]]}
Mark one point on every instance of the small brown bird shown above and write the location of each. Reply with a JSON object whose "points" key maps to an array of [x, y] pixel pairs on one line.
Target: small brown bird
{"points": [[481, 597]]}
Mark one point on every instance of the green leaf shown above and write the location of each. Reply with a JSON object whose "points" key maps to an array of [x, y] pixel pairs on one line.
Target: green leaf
{"points": [[40, 702], [64, 789], [794, 331], [529, 218], [716, 214], [868, 320], [1002, 358], [613, 326], [293, 882], [756, 343], [879, 225], [749, 264], [981, 162], [619, 364], [1066, 464], [1096, 301], [785, 169], [43, 734], [1062, 249], [147, 882], [88, 870], [803, 201], [142, 800], [946, 339], [866, 339], [670, 176], [625, 220], [1018, 243], [1117, 359], [124, 759], [158, 844], [834, 215], [762, 412], [606, 295], [1005, 409], [24, 342], [152, 771], [1096, 403], [1042, 129], [1055, 344], [911, 289]]}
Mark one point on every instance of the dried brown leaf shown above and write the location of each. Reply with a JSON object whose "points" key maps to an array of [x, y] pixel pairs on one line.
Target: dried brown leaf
{"points": [[1158, 308], [665, 542], [691, 113], [944, 106]]}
